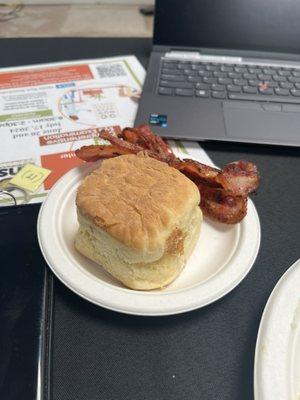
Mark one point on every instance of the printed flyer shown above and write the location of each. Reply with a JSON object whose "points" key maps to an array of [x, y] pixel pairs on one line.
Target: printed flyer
{"points": [[47, 111]]}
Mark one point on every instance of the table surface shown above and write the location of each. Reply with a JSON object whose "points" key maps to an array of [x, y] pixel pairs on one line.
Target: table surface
{"points": [[204, 354]]}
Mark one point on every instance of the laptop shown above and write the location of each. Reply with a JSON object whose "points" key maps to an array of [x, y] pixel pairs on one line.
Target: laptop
{"points": [[225, 70]]}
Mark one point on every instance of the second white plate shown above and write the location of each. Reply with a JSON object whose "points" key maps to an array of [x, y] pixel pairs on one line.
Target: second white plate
{"points": [[277, 355]]}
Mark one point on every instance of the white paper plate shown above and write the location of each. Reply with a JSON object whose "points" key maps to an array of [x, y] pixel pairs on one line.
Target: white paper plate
{"points": [[277, 355], [222, 258]]}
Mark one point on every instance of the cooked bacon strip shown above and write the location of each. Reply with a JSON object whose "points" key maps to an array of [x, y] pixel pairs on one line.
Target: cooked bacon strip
{"points": [[96, 152], [149, 139], [218, 205], [144, 137], [131, 147], [155, 143], [223, 192], [239, 178], [131, 135], [135, 136], [197, 171]]}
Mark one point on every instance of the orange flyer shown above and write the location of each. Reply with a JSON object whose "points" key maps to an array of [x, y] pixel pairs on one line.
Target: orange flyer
{"points": [[47, 111]]}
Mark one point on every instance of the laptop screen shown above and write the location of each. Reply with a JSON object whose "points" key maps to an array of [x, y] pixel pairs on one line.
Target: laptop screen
{"points": [[261, 25]]}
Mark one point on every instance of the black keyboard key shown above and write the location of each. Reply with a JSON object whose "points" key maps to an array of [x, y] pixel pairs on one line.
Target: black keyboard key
{"points": [[265, 90], [240, 82], [181, 85], [204, 73], [218, 95], [249, 89], [249, 76], [282, 92], [212, 67], [241, 70], [169, 61], [183, 65], [167, 71], [184, 92], [190, 72], [234, 75], [294, 79], [271, 84], [209, 80], [286, 85], [224, 81], [233, 88], [226, 68], [254, 70], [297, 85], [169, 64], [194, 78], [176, 78], [279, 78], [296, 73], [269, 71], [197, 67], [264, 77], [217, 88], [219, 74], [202, 86], [202, 93], [171, 67], [284, 72], [165, 91], [295, 92], [254, 82], [259, 97]]}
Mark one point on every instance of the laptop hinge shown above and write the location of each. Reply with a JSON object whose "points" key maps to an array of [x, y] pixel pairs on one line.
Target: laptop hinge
{"points": [[196, 56]]}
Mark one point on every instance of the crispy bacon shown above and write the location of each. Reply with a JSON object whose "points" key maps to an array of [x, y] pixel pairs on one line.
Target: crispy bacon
{"points": [[223, 192], [197, 171], [134, 135], [95, 152], [156, 143], [144, 137], [131, 135], [239, 178], [219, 205], [131, 147]]}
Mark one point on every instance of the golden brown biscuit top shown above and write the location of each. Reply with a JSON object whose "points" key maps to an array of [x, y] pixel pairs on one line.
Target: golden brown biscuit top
{"points": [[137, 200]]}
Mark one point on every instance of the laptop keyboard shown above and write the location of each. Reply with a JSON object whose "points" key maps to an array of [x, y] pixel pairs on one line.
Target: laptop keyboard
{"points": [[229, 81]]}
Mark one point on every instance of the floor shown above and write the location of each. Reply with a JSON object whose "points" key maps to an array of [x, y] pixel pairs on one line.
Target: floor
{"points": [[74, 20]]}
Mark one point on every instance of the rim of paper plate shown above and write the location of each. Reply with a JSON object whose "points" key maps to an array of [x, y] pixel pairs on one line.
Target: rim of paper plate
{"points": [[151, 303]]}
